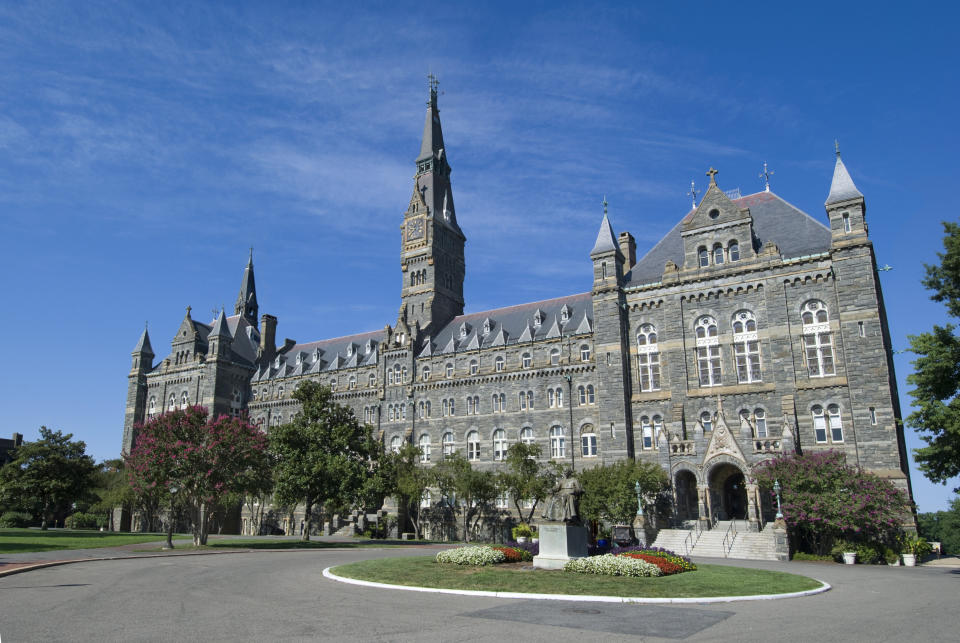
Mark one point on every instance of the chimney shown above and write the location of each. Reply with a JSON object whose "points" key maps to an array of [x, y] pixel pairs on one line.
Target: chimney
{"points": [[17, 439], [628, 248], [268, 337]]}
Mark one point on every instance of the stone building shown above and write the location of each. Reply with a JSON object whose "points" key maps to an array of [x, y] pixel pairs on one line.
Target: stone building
{"points": [[750, 329]]}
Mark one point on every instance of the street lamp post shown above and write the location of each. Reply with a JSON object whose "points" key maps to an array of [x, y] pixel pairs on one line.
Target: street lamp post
{"points": [[173, 490], [573, 459], [776, 490], [636, 487]]}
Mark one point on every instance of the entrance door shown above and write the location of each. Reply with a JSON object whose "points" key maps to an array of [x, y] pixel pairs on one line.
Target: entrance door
{"points": [[728, 493], [685, 486]]}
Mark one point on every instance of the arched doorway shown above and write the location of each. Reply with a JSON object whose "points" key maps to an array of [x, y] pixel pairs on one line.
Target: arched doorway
{"points": [[685, 490], [728, 492]]}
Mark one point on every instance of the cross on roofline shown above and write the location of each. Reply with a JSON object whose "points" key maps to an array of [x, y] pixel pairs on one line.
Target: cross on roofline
{"points": [[765, 175], [712, 173], [605, 205]]}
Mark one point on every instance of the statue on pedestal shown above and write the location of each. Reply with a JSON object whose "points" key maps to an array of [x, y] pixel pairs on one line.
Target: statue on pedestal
{"points": [[564, 505]]}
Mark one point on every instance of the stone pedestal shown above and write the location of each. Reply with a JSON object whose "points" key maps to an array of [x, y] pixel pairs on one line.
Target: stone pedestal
{"points": [[560, 543]]}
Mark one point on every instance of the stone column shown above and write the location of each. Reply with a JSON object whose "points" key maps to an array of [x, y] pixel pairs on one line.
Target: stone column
{"points": [[753, 510], [703, 506]]}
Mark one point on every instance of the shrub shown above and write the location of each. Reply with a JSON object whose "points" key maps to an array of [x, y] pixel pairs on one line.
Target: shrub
{"points": [[16, 519], [801, 555], [513, 554], [475, 555], [522, 531], [84, 521], [918, 546], [609, 565]]}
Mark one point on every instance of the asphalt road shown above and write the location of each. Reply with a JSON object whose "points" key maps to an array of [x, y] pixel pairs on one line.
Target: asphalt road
{"points": [[271, 596]]}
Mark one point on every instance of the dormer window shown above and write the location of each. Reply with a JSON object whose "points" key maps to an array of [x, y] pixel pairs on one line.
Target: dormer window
{"points": [[464, 329], [276, 362], [299, 358], [564, 314], [486, 326], [537, 319], [350, 350]]}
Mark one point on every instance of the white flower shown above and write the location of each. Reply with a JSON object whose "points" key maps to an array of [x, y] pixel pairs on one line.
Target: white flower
{"points": [[610, 565], [474, 555]]}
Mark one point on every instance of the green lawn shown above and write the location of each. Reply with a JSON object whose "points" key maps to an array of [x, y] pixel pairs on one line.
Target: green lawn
{"points": [[260, 543], [708, 580], [15, 541]]}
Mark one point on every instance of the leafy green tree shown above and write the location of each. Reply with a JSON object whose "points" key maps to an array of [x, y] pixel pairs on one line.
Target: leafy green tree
{"points": [[324, 457], [474, 490], [824, 498], [936, 373], [47, 476], [412, 481], [609, 491], [112, 489], [942, 527], [526, 478]]}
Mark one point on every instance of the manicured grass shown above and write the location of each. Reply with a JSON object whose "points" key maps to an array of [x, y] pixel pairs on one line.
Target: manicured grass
{"points": [[250, 543], [15, 541], [708, 580]]}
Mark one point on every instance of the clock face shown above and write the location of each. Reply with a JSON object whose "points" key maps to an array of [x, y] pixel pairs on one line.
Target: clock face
{"points": [[415, 229]]}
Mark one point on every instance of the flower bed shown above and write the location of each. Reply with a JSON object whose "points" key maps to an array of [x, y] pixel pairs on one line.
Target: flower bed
{"points": [[685, 564], [532, 548], [665, 565], [476, 555], [513, 554], [610, 565]]}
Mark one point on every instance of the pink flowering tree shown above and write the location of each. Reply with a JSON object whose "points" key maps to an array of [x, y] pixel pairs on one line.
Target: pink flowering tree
{"points": [[824, 498], [186, 457]]}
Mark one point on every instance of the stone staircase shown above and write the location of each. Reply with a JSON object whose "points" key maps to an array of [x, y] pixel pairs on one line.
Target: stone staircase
{"points": [[744, 544]]}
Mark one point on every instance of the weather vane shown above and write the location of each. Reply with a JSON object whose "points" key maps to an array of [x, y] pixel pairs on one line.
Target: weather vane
{"points": [[693, 194], [434, 82], [765, 175], [836, 147], [604, 205]]}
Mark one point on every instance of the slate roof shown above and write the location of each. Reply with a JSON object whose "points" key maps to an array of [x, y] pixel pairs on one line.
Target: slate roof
{"points": [[323, 355], [842, 187], [795, 232], [514, 325], [606, 241]]}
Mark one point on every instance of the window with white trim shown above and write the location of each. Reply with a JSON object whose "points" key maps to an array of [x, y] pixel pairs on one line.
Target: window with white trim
{"points": [[646, 431], [706, 421], [474, 367], [525, 360], [449, 369], [425, 373], [522, 396], [648, 358], [395, 444], [555, 357], [372, 380], [473, 445], [817, 339], [503, 500], [557, 442], [703, 257], [427, 500], [499, 444], [819, 424], [588, 442], [836, 426], [424, 448], [584, 353], [152, 405], [657, 429], [526, 435], [448, 444], [718, 254], [173, 402], [733, 250], [498, 363], [708, 351], [746, 347]]}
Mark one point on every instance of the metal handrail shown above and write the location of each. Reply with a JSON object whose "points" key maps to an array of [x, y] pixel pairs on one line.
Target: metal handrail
{"points": [[731, 536], [693, 536]]}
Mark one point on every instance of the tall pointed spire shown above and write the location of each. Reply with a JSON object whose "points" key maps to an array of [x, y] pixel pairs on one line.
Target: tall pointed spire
{"points": [[220, 327], [842, 187], [143, 346], [247, 299], [606, 241], [432, 143]]}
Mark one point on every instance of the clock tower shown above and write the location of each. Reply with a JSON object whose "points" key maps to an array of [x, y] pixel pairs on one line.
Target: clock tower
{"points": [[431, 242]]}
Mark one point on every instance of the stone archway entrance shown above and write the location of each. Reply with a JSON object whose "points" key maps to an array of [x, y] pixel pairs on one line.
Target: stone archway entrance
{"points": [[728, 493], [685, 490]]}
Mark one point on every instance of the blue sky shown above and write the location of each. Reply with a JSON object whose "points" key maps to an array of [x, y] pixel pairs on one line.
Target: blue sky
{"points": [[145, 146]]}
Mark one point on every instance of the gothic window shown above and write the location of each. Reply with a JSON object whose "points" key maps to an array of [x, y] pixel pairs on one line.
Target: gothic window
{"points": [[447, 444], [646, 431], [420, 410], [474, 367], [523, 401], [819, 424], [525, 360], [453, 409], [836, 427], [555, 357], [425, 373], [537, 319], [846, 222], [152, 405], [424, 448], [372, 380], [550, 399], [591, 397], [582, 392], [817, 340], [473, 445], [530, 400], [403, 374], [733, 250], [706, 421], [584, 353], [395, 444], [445, 408], [559, 398], [498, 363], [427, 500], [760, 419], [173, 402], [648, 358], [184, 400], [564, 314], [352, 382], [708, 351], [499, 444], [703, 256], [449, 369], [403, 409], [718, 254], [588, 442], [428, 408], [657, 428], [557, 444], [746, 347], [526, 435], [470, 408], [390, 413]]}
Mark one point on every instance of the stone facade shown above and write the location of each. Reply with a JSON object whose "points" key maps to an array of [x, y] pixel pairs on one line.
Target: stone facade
{"points": [[750, 330]]}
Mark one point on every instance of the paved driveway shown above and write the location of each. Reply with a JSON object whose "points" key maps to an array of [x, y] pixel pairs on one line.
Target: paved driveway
{"points": [[266, 596]]}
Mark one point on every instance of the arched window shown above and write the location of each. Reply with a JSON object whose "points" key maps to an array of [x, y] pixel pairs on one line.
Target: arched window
{"points": [[706, 421], [836, 426], [473, 445], [372, 380], [733, 250], [551, 401], [817, 340], [173, 402], [403, 409], [557, 444], [403, 374], [498, 363], [657, 429], [708, 351], [333, 385], [591, 398], [523, 400], [760, 418], [584, 353], [588, 441], [428, 408], [703, 256], [352, 382], [449, 369], [648, 358], [555, 357], [526, 435], [424, 448], [525, 360], [646, 431], [469, 405], [420, 410], [152, 406], [819, 424], [718, 254], [280, 392], [184, 400], [425, 373], [582, 392], [390, 376], [746, 347], [559, 398], [426, 501], [474, 367], [447, 444], [390, 412], [530, 400], [444, 408], [499, 444], [453, 407], [395, 444]]}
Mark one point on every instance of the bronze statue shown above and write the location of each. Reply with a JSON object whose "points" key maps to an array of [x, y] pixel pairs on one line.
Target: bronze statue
{"points": [[564, 504]]}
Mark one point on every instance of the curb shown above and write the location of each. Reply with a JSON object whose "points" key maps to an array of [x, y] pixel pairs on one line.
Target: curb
{"points": [[577, 597]]}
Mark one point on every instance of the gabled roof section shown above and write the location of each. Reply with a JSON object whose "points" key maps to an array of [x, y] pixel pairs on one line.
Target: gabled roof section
{"points": [[325, 355], [715, 208], [606, 241], [795, 232], [842, 187]]}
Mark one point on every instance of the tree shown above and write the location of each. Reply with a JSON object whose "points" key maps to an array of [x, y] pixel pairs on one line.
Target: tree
{"points": [[411, 483], [942, 527], [196, 462], [472, 490], [936, 373], [610, 494], [824, 498], [324, 457], [47, 476], [526, 478], [112, 489]]}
